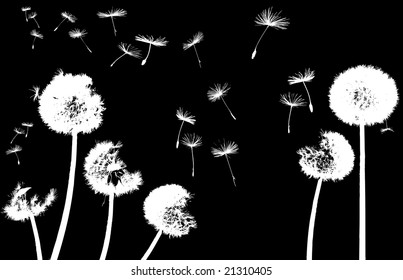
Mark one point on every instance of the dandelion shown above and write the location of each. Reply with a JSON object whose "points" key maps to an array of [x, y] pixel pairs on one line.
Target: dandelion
{"points": [[303, 78], [105, 173], [70, 105], [68, 16], [14, 150], [25, 10], [27, 125], [226, 149], [159, 42], [269, 19], [35, 89], [111, 14], [292, 100], [79, 34], [197, 38], [165, 210], [217, 93], [33, 15], [192, 141], [20, 209], [18, 131], [35, 34], [363, 95], [127, 49], [385, 129], [183, 116]]}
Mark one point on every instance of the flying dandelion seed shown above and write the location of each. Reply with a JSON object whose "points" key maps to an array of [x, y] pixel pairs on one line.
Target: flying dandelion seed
{"points": [[226, 149], [68, 16], [385, 129], [18, 131], [27, 125], [79, 34], [105, 173], [111, 14], [159, 42], [269, 19], [127, 49], [183, 116], [35, 34], [332, 160], [303, 78], [363, 95], [197, 38], [25, 10], [14, 150], [192, 141], [292, 100], [35, 89], [33, 15], [217, 93], [20, 209], [70, 105], [165, 209]]}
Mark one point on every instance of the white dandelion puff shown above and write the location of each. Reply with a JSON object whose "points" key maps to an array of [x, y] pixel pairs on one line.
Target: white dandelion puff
{"points": [[192, 141], [158, 42], [269, 19], [217, 93], [33, 15], [27, 125], [197, 38], [25, 10], [68, 16], [183, 116], [165, 209], [363, 95], [18, 131], [36, 34], [127, 49], [303, 78], [226, 149], [111, 14], [15, 150], [292, 100], [79, 34]]}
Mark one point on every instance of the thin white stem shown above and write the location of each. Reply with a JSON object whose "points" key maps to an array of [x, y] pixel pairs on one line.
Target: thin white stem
{"points": [[26, 17], [13, 138], [222, 98], [108, 228], [69, 198], [261, 36], [152, 245], [362, 228], [197, 55], [36, 236], [312, 221], [289, 118], [177, 139], [230, 170], [148, 53], [18, 159], [113, 24], [193, 162], [309, 97], [117, 59], [85, 45], [33, 43], [37, 24], [59, 24], [26, 134]]}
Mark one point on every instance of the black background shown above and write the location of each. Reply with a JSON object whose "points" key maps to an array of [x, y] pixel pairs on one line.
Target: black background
{"points": [[266, 216]]}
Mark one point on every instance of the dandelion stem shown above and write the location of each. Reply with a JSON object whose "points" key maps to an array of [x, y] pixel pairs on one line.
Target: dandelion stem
{"points": [[148, 53], [193, 162], [117, 59], [26, 17], [85, 45], [69, 198], [26, 134], [113, 24], [33, 43], [36, 236], [108, 228], [312, 221], [151, 248], [197, 55], [261, 36], [13, 138], [362, 228], [309, 97], [59, 24], [230, 170], [18, 159], [37, 24], [222, 98], [177, 139], [289, 118]]}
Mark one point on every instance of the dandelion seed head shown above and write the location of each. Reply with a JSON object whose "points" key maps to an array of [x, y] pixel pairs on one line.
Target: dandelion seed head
{"points": [[268, 18], [191, 140], [292, 100], [307, 76], [113, 13], [333, 159], [77, 33], [128, 49], [19, 130], [27, 124], [165, 209], [224, 149], [158, 42], [185, 116], [197, 38], [69, 104], [14, 149], [217, 92], [363, 95], [69, 17], [32, 15], [24, 9], [36, 33]]}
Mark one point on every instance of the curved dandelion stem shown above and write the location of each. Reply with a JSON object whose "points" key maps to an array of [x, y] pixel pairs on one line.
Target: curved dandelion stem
{"points": [[312, 221], [230, 170], [148, 53], [309, 97], [193, 162], [108, 228], [69, 198], [177, 139], [197, 55], [117, 59], [151, 248], [289, 118], [222, 98], [85, 45], [362, 234], [59, 24], [261, 36], [36, 236]]}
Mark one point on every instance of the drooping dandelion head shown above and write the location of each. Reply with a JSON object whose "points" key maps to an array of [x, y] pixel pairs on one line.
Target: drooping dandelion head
{"points": [[106, 173], [69, 104], [363, 95], [185, 116], [217, 92], [333, 159], [165, 209]]}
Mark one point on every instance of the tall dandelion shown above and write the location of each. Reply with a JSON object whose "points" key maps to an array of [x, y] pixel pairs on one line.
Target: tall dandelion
{"points": [[20, 209], [33, 15], [18, 131], [183, 116], [25, 10], [292, 100], [27, 125], [226, 149], [269, 19], [165, 209], [192, 141], [197, 38], [68, 16], [36, 34], [106, 173], [217, 93], [15, 150], [363, 95], [69, 105], [79, 34], [112, 14], [127, 49], [332, 160], [303, 78], [158, 42]]}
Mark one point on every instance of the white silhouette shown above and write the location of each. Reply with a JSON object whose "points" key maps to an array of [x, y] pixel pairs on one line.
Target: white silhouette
{"points": [[303, 78], [79, 34], [183, 116], [18, 131], [15, 150], [192, 141], [197, 38], [27, 125], [217, 93], [111, 14], [159, 42], [68, 16], [226, 149], [36, 34], [127, 49], [25, 10], [33, 15], [292, 100]]}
